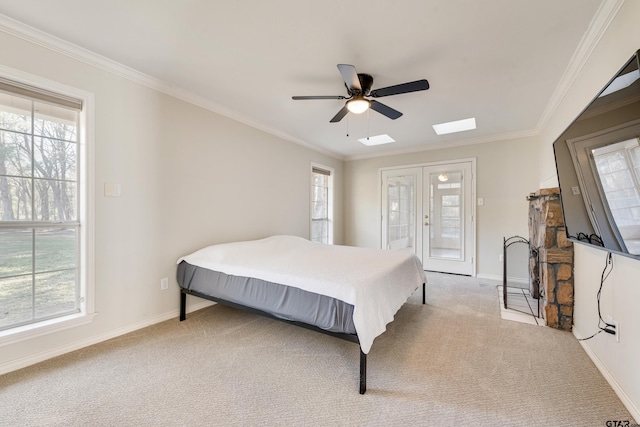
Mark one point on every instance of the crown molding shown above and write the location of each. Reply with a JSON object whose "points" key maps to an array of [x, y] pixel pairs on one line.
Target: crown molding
{"points": [[601, 21], [33, 35], [599, 24], [58, 45], [448, 144]]}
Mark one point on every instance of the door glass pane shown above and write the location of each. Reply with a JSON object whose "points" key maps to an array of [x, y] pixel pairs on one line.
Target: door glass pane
{"points": [[446, 215], [401, 211]]}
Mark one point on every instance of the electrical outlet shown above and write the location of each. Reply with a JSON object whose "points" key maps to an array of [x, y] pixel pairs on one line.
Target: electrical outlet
{"points": [[617, 335], [501, 257], [616, 327], [164, 284]]}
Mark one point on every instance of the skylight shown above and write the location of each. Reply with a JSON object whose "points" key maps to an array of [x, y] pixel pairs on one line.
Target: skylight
{"points": [[377, 140], [457, 126]]}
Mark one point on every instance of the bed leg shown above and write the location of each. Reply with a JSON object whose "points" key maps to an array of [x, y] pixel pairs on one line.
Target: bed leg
{"points": [[183, 306], [363, 372], [424, 293]]}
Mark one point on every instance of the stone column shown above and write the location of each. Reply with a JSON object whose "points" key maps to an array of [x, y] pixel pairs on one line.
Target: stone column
{"points": [[554, 264]]}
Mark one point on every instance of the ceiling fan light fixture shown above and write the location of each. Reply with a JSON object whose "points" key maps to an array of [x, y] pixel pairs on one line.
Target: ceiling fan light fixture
{"points": [[358, 105], [358, 86]]}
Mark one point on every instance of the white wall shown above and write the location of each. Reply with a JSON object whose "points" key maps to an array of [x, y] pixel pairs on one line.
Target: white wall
{"points": [[621, 292], [189, 178], [506, 174]]}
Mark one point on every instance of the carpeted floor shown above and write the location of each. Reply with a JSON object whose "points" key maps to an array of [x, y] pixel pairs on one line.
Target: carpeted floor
{"points": [[451, 362]]}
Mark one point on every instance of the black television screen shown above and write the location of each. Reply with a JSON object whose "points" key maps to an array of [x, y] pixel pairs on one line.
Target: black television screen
{"points": [[598, 164]]}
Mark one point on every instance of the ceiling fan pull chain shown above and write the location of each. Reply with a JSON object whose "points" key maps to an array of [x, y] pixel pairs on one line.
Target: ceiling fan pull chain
{"points": [[368, 124], [347, 127]]}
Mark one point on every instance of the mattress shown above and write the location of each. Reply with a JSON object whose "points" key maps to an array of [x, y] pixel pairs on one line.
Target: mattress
{"points": [[281, 301], [375, 282]]}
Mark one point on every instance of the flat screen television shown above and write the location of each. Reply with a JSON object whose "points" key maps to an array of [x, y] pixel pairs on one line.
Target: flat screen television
{"points": [[598, 164]]}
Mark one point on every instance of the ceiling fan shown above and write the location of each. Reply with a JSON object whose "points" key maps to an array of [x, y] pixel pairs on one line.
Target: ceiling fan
{"points": [[359, 88]]}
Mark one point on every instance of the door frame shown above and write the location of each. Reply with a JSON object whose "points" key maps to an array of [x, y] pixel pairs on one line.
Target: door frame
{"points": [[419, 209]]}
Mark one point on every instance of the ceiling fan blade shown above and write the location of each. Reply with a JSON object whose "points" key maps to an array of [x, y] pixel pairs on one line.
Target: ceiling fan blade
{"points": [[297, 98], [350, 77], [401, 88], [340, 115], [385, 110]]}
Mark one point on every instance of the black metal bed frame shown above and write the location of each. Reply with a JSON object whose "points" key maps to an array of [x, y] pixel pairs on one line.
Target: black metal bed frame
{"points": [[348, 337]]}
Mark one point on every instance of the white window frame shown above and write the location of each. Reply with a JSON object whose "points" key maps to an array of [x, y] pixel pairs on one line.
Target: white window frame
{"points": [[330, 205], [86, 178]]}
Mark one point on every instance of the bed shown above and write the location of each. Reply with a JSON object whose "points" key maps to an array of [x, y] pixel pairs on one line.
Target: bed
{"points": [[347, 292]]}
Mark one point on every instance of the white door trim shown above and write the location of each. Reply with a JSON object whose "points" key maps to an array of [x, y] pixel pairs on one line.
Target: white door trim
{"points": [[419, 213]]}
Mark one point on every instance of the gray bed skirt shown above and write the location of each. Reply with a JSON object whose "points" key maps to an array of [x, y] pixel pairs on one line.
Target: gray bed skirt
{"points": [[281, 301]]}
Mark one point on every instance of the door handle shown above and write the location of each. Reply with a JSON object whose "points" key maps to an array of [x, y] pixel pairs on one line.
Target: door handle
{"points": [[426, 223]]}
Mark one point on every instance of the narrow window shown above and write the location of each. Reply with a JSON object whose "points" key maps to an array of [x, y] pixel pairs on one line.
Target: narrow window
{"points": [[40, 227], [321, 204]]}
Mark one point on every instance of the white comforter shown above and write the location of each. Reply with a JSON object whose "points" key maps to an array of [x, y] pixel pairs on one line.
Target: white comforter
{"points": [[376, 282]]}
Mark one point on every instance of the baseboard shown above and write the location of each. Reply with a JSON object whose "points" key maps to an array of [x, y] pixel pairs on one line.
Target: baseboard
{"points": [[626, 401], [14, 365]]}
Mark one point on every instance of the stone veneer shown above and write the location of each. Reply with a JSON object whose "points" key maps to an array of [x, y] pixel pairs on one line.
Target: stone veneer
{"points": [[552, 268]]}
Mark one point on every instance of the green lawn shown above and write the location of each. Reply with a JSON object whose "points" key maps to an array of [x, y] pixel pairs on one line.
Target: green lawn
{"points": [[52, 290]]}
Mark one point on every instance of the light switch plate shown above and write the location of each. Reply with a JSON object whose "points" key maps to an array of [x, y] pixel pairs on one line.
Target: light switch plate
{"points": [[112, 189]]}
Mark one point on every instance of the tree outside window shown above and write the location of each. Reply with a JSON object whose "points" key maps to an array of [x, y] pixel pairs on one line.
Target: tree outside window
{"points": [[39, 227]]}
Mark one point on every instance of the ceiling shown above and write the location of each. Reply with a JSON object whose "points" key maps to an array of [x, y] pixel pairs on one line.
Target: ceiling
{"points": [[500, 61]]}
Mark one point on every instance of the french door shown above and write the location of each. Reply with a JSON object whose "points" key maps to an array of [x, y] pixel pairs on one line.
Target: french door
{"points": [[401, 198], [429, 209], [448, 236]]}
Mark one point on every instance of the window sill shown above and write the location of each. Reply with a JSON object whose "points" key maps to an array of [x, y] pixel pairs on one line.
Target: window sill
{"points": [[26, 332]]}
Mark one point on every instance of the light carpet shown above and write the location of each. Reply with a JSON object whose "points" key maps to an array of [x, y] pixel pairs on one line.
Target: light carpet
{"points": [[451, 362]]}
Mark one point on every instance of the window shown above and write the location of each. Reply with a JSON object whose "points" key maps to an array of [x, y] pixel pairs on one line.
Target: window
{"points": [[321, 204], [42, 208]]}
